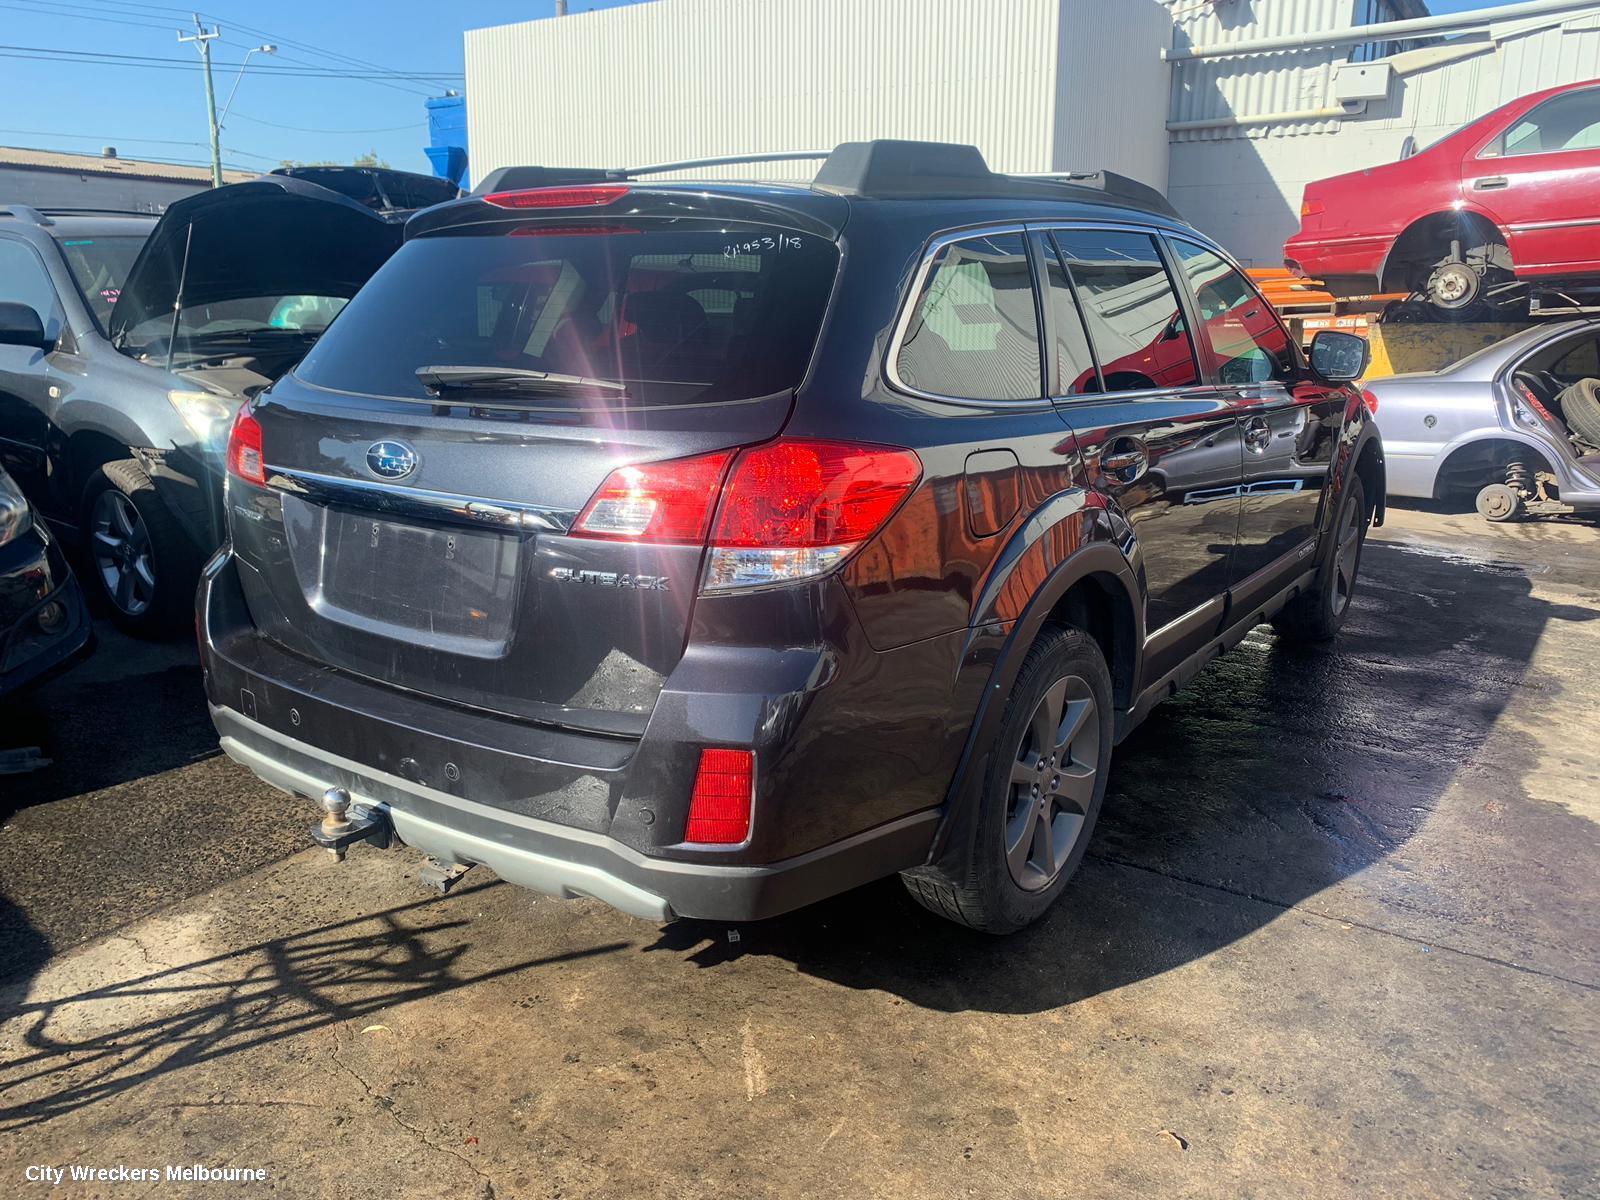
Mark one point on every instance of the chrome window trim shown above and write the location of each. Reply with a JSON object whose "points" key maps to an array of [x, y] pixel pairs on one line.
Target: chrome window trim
{"points": [[930, 251], [919, 281], [396, 500]]}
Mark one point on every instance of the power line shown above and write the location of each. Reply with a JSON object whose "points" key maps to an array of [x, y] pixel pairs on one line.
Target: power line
{"points": [[105, 139], [307, 129], [308, 47], [108, 58]]}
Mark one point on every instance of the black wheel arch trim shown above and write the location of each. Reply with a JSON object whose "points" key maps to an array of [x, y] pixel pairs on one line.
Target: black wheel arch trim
{"points": [[1101, 558]]}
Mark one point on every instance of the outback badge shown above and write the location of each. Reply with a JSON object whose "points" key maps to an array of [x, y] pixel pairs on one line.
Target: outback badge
{"points": [[644, 583]]}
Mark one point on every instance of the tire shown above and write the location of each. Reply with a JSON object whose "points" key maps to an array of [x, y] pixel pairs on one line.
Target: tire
{"points": [[139, 559], [1061, 704], [1580, 405], [1318, 615]]}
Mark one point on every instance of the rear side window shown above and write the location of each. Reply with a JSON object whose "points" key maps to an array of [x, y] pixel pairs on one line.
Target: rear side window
{"points": [[675, 313], [1136, 323], [1246, 338], [974, 333], [1566, 122]]}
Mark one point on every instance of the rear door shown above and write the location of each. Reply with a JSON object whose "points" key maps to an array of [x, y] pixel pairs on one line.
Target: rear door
{"points": [[421, 537], [1289, 423], [1540, 180], [1156, 437]]}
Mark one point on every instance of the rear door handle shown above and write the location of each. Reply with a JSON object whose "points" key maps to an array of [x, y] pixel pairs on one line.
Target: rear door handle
{"points": [[1489, 182], [1257, 434], [1124, 459]]}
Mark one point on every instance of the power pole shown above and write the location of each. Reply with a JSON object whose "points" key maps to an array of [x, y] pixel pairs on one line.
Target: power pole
{"points": [[204, 40], [561, 8]]}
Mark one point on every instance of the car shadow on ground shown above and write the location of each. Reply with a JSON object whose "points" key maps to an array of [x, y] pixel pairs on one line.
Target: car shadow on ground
{"points": [[93, 1044], [1279, 772], [134, 708]]}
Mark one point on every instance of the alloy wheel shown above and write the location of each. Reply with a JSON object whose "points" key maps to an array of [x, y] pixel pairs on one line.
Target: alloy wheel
{"points": [[1346, 558], [1052, 783], [122, 554]]}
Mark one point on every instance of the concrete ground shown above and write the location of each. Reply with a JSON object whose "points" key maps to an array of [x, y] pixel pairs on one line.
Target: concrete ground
{"points": [[1337, 935]]}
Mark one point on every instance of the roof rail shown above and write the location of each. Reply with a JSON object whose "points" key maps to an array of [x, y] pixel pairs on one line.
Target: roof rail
{"points": [[690, 164], [96, 212], [1121, 188], [887, 169], [506, 179], [25, 213], [884, 169]]}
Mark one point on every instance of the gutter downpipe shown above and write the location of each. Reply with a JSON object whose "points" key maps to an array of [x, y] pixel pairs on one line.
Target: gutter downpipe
{"points": [[1337, 113], [1382, 31]]}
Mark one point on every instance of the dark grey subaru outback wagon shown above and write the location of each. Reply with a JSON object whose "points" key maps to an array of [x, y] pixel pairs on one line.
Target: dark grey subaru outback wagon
{"points": [[708, 549]]}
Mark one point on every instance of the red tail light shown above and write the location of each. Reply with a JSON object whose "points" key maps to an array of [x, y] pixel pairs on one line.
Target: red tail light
{"points": [[1312, 208], [797, 493], [246, 459], [796, 508], [1371, 400], [657, 502], [789, 509], [560, 197], [719, 811]]}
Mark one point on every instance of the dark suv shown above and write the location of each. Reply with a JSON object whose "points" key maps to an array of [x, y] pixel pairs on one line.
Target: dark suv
{"points": [[707, 549]]}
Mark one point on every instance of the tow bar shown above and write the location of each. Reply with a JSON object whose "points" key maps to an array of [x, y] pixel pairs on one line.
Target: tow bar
{"points": [[344, 824], [342, 827]]}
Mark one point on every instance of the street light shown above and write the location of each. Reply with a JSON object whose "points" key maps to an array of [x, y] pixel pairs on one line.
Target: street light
{"points": [[268, 48]]}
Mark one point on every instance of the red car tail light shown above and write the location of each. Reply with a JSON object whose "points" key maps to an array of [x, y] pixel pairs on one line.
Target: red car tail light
{"points": [[796, 508], [1371, 400], [1312, 208], [664, 502], [719, 810], [559, 197], [246, 459]]}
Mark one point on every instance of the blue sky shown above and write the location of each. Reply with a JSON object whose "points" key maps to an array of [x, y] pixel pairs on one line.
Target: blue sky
{"points": [[81, 105], [52, 96]]}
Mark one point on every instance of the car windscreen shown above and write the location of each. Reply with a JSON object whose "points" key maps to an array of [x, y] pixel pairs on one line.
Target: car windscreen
{"points": [[98, 266], [206, 330], [668, 312]]}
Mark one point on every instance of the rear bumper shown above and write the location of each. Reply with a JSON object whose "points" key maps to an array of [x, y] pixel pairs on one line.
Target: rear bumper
{"points": [[566, 862], [843, 798]]}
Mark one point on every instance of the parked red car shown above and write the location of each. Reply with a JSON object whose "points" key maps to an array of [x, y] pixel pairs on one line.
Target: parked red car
{"points": [[1503, 211]]}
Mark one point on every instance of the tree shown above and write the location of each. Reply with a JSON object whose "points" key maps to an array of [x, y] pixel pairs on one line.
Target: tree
{"points": [[369, 159]]}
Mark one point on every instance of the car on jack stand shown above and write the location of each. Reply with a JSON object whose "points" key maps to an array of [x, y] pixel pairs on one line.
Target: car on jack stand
{"points": [[1516, 426], [1498, 219], [711, 548]]}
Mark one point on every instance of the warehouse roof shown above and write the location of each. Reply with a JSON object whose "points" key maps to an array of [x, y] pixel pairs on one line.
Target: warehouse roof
{"points": [[112, 164]]}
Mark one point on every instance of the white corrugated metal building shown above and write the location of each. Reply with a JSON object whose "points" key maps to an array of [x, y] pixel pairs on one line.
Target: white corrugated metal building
{"points": [[1173, 92], [1039, 85]]}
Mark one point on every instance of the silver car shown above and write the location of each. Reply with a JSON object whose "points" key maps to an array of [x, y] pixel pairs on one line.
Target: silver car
{"points": [[1516, 425]]}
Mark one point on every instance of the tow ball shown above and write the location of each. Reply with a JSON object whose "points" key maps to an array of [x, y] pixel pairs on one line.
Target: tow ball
{"points": [[343, 825]]}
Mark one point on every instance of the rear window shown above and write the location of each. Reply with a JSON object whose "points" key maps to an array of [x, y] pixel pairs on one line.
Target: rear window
{"points": [[676, 312]]}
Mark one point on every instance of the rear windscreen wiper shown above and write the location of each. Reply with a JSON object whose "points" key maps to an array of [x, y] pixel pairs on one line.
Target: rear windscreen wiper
{"points": [[439, 380]]}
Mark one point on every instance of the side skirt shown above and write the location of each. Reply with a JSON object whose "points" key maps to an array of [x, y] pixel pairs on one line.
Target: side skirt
{"points": [[1234, 632]]}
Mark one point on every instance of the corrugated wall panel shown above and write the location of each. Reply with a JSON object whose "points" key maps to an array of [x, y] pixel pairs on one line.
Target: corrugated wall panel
{"points": [[1259, 83], [1038, 85], [683, 79]]}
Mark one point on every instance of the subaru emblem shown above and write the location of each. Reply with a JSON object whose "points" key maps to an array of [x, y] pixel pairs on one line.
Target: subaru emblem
{"points": [[391, 460]]}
